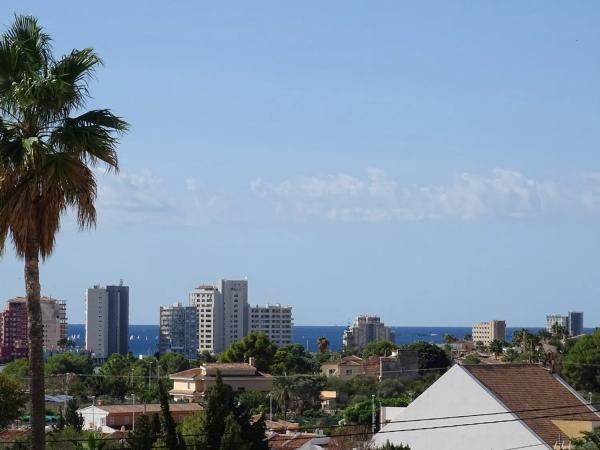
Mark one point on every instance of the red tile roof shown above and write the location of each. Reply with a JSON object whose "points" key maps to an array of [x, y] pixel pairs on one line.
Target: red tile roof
{"points": [[530, 386]]}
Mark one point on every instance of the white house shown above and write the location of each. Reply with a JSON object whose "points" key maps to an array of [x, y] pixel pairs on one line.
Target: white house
{"points": [[108, 418], [500, 406]]}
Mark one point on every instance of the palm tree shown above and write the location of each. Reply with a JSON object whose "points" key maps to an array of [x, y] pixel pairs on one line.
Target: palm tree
{"points": [[48, 149], [323, 344], [283, 391]]}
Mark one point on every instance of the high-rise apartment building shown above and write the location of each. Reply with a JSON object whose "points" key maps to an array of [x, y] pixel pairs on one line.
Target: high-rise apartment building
{"points": [[366, 329], [107, 320], [575, 323], [572, 322], [553, 320], [487, 332], [235, 310], [275, 321], [222, 314], [13, 326], [178, 331], [209, 303]]}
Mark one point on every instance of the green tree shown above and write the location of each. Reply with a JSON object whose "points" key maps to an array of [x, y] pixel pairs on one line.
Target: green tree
{"points": [[173, 362], [323, 344], [361, 413], [283, 388], [580, 365], [48, 148], [205, 357], [72, 417], [143, 436], [115, 375], [379, 348], [218, 405], [589, 441], [255, 345], [12, 400], [291, 359], [232, 435], [254, 401], [558, 330], [170, 436], [192, 429], [430, 356], [470, 360], [448, 338], [62, 363], [18, 370], [92, 441], [496, 347]]}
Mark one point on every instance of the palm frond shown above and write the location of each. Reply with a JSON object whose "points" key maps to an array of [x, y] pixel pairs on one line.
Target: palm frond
{"points": [[92, 136], [33, 44], [73, 72]]}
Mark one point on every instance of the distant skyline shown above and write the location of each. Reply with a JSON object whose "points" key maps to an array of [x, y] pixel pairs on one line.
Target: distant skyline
{"points": [[433, 163]]}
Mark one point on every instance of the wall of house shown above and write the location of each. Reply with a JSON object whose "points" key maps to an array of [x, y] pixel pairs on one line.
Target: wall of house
{"points": [[457, 393]]}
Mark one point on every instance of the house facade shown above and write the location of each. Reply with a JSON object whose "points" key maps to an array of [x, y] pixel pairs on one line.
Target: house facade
{"points": [[190, 385]]}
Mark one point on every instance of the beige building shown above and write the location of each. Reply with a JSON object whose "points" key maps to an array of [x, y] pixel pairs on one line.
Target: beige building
{"points": [[190, 385], [275, 321], [366, 329], [486, 332], [346, 368]]}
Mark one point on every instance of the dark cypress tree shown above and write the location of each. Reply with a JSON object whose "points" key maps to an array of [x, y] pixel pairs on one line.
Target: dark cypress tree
{"points": [[218, 405], [156, 426], [72, 417], [143, 437], [168, 424]]}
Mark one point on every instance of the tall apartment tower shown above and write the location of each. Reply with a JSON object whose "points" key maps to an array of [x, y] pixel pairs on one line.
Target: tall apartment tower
{"points": [[13, 326], [366, 329], [235, 310], [107, 320], [275, 321], [178, 330], [208, 302], [575, 323], [487, 332]]}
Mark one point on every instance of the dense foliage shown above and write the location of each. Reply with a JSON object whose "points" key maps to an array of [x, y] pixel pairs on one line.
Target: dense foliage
{"points": [[580, 365], [12, 400], [256, 345]]}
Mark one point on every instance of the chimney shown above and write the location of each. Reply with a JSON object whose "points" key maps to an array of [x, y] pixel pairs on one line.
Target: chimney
{"points": [[252, 361]]}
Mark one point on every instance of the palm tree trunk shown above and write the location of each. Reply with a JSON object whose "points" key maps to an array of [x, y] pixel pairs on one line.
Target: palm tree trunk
{"points": [[36, 342]]}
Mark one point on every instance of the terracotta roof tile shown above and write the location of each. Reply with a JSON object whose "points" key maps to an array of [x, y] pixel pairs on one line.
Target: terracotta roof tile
{"points": [[530, 386]]}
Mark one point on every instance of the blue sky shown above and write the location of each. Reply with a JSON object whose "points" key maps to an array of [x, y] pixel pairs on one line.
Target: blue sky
{"points": [[435, 163]]}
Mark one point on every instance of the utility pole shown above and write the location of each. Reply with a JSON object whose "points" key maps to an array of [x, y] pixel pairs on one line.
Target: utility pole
{"points": [[373, 426]]}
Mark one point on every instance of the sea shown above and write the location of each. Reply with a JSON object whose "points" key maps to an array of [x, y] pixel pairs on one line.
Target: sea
{"points": [[143, 339]]}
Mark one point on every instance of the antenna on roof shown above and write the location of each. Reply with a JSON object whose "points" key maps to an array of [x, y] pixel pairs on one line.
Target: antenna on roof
{"points": [[121, 282]]}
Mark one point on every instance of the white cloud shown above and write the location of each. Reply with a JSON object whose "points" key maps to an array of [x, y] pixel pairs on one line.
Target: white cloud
{"points": [[376, 197], [139, 196]]}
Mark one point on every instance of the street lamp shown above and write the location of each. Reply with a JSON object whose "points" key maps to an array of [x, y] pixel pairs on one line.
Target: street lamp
{"points": [[93, 412], [132, 412]]}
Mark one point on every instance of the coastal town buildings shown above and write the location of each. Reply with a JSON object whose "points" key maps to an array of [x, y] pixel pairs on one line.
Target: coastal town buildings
{"points": [[178, 330], [222, 314], [107, 320], [275, 321], [487, 332], [13, 326], [516, 406], [366, 329], [572, 322], [190, 385]]}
